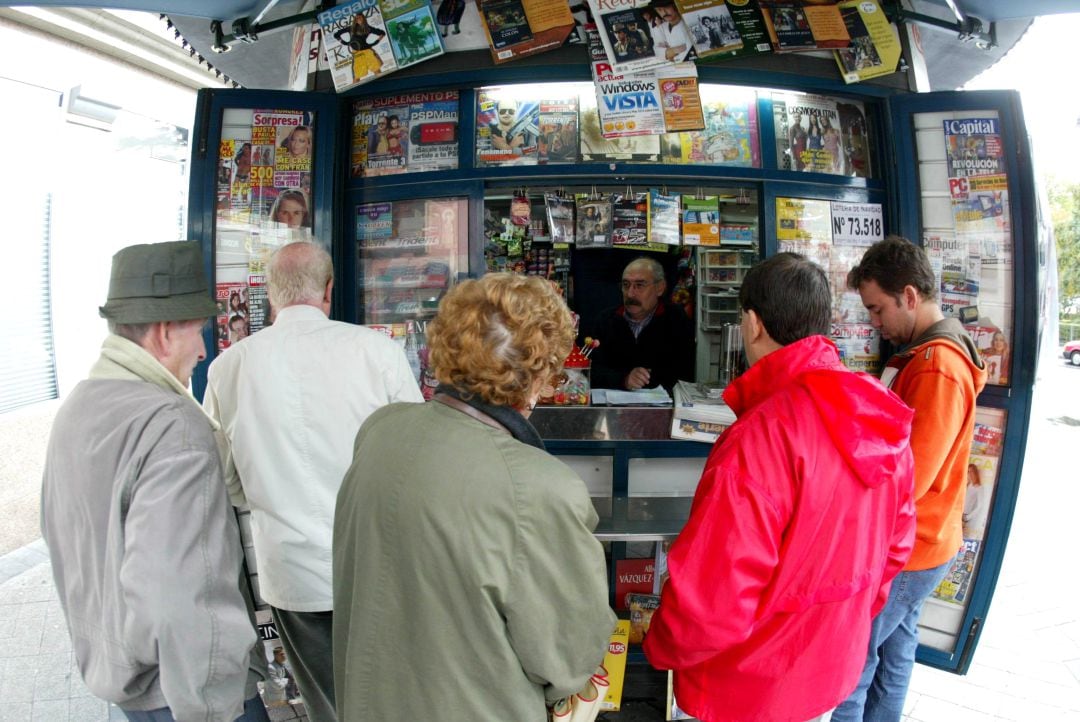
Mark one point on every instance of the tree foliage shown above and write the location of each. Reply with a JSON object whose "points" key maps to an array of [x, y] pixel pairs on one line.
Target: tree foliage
{"points": [[1065, 216]]}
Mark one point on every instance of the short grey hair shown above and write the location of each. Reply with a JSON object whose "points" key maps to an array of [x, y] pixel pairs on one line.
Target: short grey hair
{"points": [[134, 332], [651, 264], [298, 273]]}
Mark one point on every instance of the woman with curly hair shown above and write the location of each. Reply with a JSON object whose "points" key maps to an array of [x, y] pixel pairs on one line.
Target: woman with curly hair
{"points": [[466, 576]]}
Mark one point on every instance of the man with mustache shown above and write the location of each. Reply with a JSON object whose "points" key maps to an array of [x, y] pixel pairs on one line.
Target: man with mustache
{"points": [[645, 342]]}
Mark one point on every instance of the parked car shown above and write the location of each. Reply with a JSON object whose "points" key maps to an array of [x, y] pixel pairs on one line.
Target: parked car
{"points": [[1072, 352]]}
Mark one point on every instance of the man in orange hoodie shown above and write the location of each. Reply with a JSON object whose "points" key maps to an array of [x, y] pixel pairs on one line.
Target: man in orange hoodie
{"points": [[938, 372]]}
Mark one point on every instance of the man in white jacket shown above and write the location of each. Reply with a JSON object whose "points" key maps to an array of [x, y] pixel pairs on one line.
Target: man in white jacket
{"points": [[290, 400], [144, 546]]}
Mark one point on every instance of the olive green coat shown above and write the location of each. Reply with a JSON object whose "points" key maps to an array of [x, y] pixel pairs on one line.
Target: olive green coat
{"points": [[467, 582]]}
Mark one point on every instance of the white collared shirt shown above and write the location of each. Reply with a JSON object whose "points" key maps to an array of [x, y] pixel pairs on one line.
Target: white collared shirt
{"points": [[290, 400]]}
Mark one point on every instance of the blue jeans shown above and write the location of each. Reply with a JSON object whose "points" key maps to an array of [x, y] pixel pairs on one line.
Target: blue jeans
{"points": [[894, 638], [254, 711]]}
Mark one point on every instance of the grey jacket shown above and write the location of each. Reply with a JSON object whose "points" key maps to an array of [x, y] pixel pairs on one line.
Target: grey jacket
{"points": [[144, 544], [467, 582]]}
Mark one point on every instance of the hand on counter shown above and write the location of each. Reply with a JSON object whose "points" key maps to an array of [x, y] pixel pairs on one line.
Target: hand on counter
{"points": [[638, 378]]}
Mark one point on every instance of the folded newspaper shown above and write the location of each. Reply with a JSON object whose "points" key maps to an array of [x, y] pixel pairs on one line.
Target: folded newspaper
{"points": [[642, 397], [700, 414]]}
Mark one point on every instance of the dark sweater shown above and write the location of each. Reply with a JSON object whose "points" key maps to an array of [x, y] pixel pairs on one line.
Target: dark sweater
{"points": [[665, 347]]}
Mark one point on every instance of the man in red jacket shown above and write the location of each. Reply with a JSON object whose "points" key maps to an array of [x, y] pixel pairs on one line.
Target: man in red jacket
{"points": [[802, 517], [939, 373]]}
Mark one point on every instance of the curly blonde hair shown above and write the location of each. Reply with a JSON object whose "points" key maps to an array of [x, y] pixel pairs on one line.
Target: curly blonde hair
{"points": [[495, 336]]}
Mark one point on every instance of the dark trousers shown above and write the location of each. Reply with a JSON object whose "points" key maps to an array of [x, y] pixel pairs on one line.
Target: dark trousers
{"points": [[306, 637], [254, 711]]}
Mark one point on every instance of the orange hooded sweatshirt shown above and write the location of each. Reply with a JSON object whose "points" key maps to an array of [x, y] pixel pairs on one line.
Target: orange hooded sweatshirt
{"points": [[940, 374]]}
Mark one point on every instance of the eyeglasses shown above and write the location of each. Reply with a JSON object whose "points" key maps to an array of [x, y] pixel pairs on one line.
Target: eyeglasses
{"points": [[506, 111], [637, 285]]}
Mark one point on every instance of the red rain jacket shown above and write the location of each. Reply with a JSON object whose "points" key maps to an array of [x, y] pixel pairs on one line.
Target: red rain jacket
{"points": [[802, 517]]}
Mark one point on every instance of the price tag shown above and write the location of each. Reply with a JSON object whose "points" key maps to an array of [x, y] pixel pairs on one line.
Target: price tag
{"points": [[857, 224]]}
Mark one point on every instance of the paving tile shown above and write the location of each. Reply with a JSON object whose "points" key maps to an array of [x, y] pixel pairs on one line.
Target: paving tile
{"points": [[51, 711], [52, 686], [78, 686], [88, 709], [17, 689], [932, 709], [55, 638], [15, 711], [7, 624]]}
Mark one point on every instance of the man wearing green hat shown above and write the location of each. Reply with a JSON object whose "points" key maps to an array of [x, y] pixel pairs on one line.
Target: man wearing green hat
{"points": [[145, 549]]}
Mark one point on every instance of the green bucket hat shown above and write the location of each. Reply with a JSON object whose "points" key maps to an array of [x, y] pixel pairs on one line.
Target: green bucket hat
{"points": [[158, 282]]}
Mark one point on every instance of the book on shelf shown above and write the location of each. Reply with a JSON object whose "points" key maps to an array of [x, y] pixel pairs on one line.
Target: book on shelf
{"points": [[875, 42], [560, 217], [712, 27], [663, 217], [632, 576], [795, 26], [642, 607], [519, 28], [701, 221], [615, 664]]}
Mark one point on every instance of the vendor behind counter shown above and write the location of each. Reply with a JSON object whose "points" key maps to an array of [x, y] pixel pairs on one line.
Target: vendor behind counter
{"points": [[647, 340]]}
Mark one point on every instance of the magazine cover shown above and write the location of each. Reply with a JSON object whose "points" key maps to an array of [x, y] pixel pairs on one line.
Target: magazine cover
{"points": [[730, 136], [558, 141], [810, 140], [593, 221], [519, 28], [560, 217], [433, 131], [629, 106], [232, 314], [374, 221], [630, 220], [680, 98], [506, 22], [384, 123], [596, 148], [411, 27], [634, 36], [993, 345], [356, 42], [795, 26], [788, 26], [507, 130], [859, 345], [712, 28], [853, 133], [750, 24], [663, 211], [875, 43], [701, 221]]}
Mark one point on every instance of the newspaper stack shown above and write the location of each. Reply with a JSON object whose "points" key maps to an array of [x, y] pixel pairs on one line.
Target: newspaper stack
{"points": [[699, 415]]}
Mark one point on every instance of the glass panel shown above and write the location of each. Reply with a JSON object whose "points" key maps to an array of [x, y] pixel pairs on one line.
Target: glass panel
{"points": [[662, 489], [967, 228], [730, 136], [263, 202], [542, 124], [820, 134], [410, 252], [943, 614], [410, 133]]}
